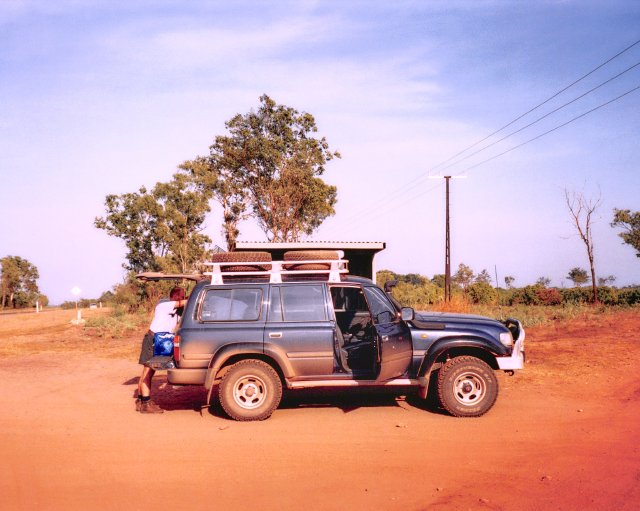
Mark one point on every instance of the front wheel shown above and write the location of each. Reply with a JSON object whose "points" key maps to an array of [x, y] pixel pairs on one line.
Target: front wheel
{"points": [[250, 391], [467, 387]]}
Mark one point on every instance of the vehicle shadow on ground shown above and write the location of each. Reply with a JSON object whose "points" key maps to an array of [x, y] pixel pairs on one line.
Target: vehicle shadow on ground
{"points": [[171, 398], [348, 401], [355, 398]]}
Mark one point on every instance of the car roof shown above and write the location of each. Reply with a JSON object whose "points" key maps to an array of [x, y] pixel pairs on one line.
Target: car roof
{"points": [[349, 279]]}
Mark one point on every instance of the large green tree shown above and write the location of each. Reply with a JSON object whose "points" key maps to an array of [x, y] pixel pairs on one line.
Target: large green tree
{"points": [[270, 165], [161, 228], [217, 180], [19, 286], [630, 223], [183, 210]]}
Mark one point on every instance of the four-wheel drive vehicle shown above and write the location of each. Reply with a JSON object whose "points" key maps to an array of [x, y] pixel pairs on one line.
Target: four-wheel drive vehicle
{"points": [[247, 337]]}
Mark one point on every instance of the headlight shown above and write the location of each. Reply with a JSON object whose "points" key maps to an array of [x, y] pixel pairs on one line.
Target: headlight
{"points": [[507, 339]]}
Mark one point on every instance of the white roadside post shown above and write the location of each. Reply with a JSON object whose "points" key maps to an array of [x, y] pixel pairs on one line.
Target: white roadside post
{"points": [[76, 292]]}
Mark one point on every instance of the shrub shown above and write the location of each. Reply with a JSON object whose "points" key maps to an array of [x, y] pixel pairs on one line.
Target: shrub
{"points": [[549, 296], [418, 297], [482, 293], [576, 295], [527, 295], [629, 296], [608, 295]]}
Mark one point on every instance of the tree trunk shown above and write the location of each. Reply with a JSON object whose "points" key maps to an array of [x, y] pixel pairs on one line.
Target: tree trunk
{"points": [[594, 286]]}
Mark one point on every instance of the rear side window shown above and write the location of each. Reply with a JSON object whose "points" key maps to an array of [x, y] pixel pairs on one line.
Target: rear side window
{"points": [[231, 305], [303, 303]]}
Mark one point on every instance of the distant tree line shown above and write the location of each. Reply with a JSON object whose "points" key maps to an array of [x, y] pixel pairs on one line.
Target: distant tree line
{"points": [[419, 291]]}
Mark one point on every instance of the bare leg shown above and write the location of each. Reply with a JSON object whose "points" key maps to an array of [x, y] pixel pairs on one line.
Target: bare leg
{"points": [[144, 384]]}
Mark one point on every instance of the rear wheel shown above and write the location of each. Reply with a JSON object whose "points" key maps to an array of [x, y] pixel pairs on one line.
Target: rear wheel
{"points": [[250, 391], [467, 387]]}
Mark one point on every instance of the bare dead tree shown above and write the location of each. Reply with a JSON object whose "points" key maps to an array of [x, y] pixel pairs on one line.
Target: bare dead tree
{"points": [[582, 210]]}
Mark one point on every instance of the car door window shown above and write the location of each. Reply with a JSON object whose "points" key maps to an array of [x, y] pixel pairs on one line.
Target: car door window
{"points": [[303, 303], [382, 309]]}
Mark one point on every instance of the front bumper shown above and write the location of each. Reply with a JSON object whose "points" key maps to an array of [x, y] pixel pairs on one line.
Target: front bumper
{"points": [[516, 359]]}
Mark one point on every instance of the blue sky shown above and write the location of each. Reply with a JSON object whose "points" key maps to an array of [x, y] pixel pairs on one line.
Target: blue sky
{"points": [[103, 97]]}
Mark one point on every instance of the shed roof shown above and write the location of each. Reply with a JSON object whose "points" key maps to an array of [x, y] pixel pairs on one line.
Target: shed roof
{"points": [[301, 245]]}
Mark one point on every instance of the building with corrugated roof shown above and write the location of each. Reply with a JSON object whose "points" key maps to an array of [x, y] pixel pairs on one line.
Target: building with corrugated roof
{"points": [[360, 254]]}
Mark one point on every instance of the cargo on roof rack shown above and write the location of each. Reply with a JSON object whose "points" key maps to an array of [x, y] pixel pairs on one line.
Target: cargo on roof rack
{"points": [[280, 271]]}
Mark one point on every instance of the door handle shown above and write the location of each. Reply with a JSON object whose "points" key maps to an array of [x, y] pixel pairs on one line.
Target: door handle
{"points": [[275, 335]]}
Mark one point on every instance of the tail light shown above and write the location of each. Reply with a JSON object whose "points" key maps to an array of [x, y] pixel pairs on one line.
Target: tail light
{"points": [[176, 348]]}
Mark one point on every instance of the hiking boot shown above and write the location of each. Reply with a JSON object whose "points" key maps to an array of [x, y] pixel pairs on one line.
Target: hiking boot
{"points": [[150, 407], [138, 404]]}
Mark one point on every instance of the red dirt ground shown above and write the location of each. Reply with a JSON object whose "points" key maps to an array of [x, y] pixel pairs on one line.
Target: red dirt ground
{"points": [[564, 434]]}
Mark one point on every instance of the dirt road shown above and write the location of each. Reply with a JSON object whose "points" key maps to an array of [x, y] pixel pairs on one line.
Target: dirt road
{"points": [[564, 434]]}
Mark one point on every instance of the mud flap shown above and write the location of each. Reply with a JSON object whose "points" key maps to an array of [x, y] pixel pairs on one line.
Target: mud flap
{"points": [[424, 387]]}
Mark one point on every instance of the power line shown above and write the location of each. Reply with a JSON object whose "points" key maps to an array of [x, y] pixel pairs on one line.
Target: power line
{"points": [[543, 116], [540, 104], [393, 196], [380, 211], [555, 128]]}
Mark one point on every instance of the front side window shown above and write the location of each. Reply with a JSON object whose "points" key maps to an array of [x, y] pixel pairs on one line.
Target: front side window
{"points": [[303, 303], [231, 305], [382, 309], [348, 299]]}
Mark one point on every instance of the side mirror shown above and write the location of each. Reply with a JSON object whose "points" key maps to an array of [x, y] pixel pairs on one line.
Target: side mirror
{"points": [[389, 285], [407, 314]]}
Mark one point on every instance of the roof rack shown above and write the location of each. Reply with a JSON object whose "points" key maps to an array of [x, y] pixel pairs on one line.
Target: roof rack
{"points": [[336, 268]]}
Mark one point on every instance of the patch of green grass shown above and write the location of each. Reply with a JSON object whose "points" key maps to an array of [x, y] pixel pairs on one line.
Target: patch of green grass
{"points": [[117, 324], [534, 315]]}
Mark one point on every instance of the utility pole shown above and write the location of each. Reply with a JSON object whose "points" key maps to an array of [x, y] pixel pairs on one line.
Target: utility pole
{"points": [[447, 249]]}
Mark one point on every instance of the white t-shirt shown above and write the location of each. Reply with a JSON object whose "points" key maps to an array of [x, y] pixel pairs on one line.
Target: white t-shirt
{"points": [[165, 318]]}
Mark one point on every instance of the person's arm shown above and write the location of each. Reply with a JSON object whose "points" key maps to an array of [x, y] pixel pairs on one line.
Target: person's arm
{"points": [[179, 303]]}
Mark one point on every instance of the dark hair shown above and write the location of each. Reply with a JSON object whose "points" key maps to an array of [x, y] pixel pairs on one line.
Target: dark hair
{"points": [[177, 293]]}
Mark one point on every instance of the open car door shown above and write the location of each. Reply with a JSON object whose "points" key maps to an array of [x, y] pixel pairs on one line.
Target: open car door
{"points": [[393, 339]]}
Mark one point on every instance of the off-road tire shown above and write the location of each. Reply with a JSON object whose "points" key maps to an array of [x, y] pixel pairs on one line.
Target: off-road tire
{"points": [[240, 257], [467, 387], [310, 255], [250, 390]]}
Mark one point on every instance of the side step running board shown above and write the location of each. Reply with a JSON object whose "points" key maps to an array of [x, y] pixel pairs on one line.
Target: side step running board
{"points": [[400, 382]]}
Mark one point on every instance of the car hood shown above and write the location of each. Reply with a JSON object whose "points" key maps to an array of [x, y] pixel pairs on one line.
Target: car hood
{"points": [[446, 317], [442, 320]]}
